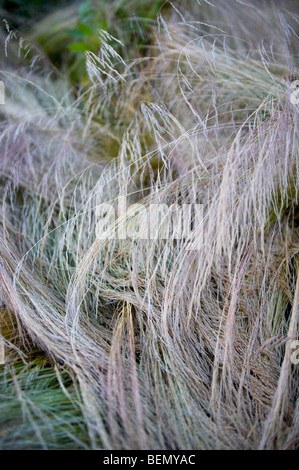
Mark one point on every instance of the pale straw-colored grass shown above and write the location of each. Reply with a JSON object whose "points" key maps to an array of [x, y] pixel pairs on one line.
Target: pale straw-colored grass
{"points": [[169, 348]]}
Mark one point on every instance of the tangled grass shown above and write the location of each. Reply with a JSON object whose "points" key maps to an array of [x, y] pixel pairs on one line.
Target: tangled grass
{"points": [[125, 344]]}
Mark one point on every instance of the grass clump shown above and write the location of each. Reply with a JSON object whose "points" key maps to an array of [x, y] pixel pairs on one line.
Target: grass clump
{"points": [[156, 346]]}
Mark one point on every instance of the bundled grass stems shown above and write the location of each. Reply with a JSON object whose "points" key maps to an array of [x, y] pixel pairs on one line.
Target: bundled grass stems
{"points": [[132, 343]]}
